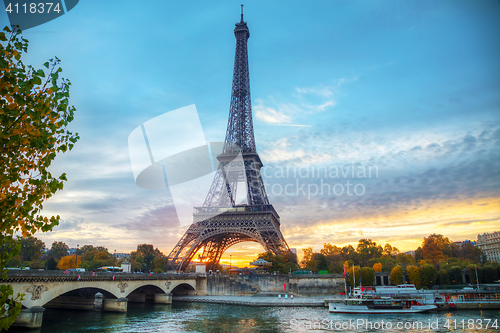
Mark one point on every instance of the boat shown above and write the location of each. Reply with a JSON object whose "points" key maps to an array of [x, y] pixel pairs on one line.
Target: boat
{"points": [[377, 304]]}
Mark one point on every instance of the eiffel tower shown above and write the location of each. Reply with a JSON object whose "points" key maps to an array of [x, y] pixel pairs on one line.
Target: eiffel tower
{"points": [[221, 222]]}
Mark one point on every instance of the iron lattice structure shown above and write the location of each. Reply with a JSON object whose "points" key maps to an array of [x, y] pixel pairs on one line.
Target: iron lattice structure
{"points": [[221, 222]]}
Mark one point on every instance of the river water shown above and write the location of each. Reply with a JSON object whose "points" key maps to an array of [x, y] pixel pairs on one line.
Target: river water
{"points": [[204, 317]]}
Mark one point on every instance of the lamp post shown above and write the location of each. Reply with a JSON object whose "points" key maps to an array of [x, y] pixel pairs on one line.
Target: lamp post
{"points": [[76, 255], [230, 261], [114, 260]]}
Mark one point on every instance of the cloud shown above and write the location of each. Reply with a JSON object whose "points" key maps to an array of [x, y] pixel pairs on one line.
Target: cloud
{"points": [[270, 115]]}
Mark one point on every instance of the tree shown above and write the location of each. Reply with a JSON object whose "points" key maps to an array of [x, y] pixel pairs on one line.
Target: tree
{"points": [[489, 274], [68, 262], [377, 267], [308, 261], [145, 254], [349, 253], [321, 263], [434, 247], [456, 275], [51, 264], [396, 275], [282, 263], [367, 249], [59, 250], [413, 275], [102, 255], [443, 278], [472, 271], [330, 250], [31, 249], [405, 259], [367, 276], [34, 113], [428, 275]]}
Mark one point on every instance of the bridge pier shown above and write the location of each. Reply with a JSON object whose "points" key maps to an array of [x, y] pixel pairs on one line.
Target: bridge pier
{"points": [[30, 318], [115, 305], [162, 298]]}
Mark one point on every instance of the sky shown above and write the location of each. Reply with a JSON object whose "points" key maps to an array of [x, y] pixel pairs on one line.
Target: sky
{"points": [[404, 93]]}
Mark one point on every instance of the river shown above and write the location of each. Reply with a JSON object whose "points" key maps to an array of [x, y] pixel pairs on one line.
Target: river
{"points": [[204, 317]]}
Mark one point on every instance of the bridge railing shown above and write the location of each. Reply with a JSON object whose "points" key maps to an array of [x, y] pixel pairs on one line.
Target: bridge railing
{"points": [[88, 274]]}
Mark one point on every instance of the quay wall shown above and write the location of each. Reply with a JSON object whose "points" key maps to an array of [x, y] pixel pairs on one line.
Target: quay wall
{"points": [[304, 285]]}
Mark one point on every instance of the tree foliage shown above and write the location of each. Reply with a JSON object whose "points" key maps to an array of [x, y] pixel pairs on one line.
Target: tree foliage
{"points": [[68, 262], [428, 275], [377, 267], [31, 249], [144, 257], [435, 247], [281, 263], [396, 275], [59, 250], [34, 114], [413, 274]]}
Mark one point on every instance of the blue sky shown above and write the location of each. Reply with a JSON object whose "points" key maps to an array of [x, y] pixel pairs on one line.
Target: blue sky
{"points": [[409, 87]]}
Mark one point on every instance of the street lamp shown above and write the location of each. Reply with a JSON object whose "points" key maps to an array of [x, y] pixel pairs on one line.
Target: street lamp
{"points": [[76, 255], [114, 260], [230, 259]]}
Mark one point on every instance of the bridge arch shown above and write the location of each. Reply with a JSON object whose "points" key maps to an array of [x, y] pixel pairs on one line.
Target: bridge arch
{"points": [[42, 294], [183, 289]]}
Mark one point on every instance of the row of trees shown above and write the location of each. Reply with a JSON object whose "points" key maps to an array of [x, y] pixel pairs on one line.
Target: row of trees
{"points": [[436, 262], [33, 255], [148, 258]]}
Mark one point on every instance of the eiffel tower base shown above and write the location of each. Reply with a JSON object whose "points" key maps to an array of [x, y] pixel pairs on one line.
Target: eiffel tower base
{"points": [[215, 229]]}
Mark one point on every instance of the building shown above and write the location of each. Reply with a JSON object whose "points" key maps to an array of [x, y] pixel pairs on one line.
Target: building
{"points": [[467, 241], [490, 244]]}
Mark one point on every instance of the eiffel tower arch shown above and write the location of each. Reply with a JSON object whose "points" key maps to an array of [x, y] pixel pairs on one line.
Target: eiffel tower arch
{"points": [[222, 221]]}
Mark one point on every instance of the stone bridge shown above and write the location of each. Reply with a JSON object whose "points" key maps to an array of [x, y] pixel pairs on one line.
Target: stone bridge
{"points": [[98, 291]]}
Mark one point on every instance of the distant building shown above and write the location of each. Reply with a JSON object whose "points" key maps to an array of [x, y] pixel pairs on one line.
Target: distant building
{"points": [[467, 241], [121, 255], [490, 244]]}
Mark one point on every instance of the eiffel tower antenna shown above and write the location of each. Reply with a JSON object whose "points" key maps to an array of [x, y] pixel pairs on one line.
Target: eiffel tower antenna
{"points": [[222, 222]]}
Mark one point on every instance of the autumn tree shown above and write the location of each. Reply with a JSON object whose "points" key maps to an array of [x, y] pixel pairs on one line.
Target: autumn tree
{"points": [[308, 261], [377, 267], [396, 275], [333, 255], [413, 274], [59, 250], [434, 247], [68, 262], [367, 249], [34, 114]]}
